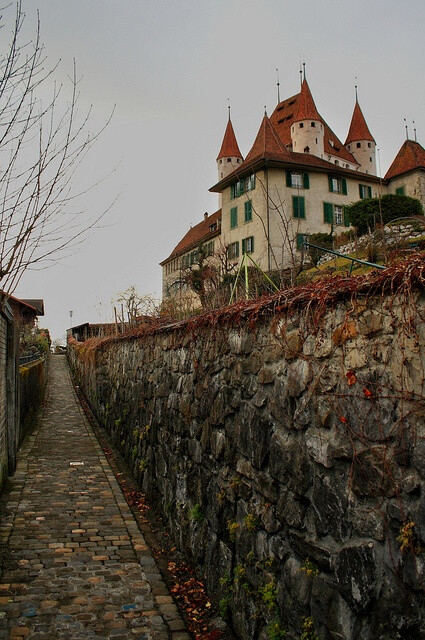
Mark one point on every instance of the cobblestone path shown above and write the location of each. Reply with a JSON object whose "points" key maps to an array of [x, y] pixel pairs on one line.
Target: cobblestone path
{"points": [[73, 562]]}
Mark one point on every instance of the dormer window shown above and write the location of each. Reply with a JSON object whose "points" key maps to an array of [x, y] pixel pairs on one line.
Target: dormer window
{"points": [[213, 227]]}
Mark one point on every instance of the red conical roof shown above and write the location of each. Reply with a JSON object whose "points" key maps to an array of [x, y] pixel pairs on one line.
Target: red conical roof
{"points": [[411, 156], [229, 146], [267, 144], [306, 107], [358, 127]]}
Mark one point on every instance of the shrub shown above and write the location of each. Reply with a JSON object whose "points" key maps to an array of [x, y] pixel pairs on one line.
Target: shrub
{"points": [[366, 214]]}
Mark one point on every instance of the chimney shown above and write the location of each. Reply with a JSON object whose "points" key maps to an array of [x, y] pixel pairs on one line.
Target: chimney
{"points": [[205, 215]]}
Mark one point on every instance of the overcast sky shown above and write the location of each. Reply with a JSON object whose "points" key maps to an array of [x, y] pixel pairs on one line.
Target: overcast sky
{"points": [[170, 67]]}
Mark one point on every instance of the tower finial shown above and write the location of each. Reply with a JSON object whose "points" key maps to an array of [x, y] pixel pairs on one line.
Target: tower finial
{"points": [[278, 85], [355, 88], [265, 110], [407, 131], [304, 70], [414, 130], [301, 72], [228, 106]]}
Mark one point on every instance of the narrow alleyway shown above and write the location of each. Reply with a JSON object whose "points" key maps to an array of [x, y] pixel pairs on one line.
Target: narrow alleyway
{"points": [[73, 562]]}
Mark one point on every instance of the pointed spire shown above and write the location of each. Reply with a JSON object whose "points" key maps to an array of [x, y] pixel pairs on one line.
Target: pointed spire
{"points": [[229, 146], [358, 127], [267, 144], [306, 107]]}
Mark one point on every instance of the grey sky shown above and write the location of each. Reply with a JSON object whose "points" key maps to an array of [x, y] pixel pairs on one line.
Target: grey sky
{"points": [[170, 66]]}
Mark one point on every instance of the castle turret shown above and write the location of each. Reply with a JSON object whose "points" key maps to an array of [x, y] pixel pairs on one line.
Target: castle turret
{"points": [[307, 130], [229, 157], [361, 143]]}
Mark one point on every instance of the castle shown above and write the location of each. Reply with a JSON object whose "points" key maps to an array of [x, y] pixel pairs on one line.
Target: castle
{"points": [[295, 180]]}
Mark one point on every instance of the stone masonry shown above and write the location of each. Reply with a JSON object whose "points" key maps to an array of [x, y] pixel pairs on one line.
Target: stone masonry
{"points": [[74, 564], [285, 446]]}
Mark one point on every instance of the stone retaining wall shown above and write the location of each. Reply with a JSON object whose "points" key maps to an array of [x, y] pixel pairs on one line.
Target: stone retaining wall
{"points": [[32, 382], [287, 454]]}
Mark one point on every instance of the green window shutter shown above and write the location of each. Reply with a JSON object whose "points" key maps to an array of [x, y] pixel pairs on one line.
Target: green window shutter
{"points": [[369, 192], [346, 218], [248, 211], [252, 244], [243, 246], [328, 212], [288, 179], [330, 183], [344, 186], [360, 191], [400, 191], [233, 217], [298, 206], [300, 241], [232, 191], [306, 181]]}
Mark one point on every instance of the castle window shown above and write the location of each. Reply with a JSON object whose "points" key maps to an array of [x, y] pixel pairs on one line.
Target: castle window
{"points": [[248, 211], [233, 217], [365, 191], [369, 144], [301, 125], [313, 124], [297, 180], [358, 145], [185, 261], [220, 161], [338, 215], [250, 183], [348, 148], [370, 159], [400, 191], [238, 188], [229, 159], [233, 250], [213, 227], [336, 161], [298, 206], [248, 245], [335, 214], [337, 185], [306, 149]]}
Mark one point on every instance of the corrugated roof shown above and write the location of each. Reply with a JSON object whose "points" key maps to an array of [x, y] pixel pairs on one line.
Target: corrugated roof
{"points": [[411, 156], [358, 127]]}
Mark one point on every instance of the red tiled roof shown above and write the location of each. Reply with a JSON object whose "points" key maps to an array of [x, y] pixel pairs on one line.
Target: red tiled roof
{"points": [[229, 146], [411, 156], [358, 127], [267, 144], [306, 108], [293, 160], [283, 117], [199, 233]]}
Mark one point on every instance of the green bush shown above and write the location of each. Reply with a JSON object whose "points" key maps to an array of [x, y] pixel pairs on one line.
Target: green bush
{"points": [[366, 214], [324, 240]]}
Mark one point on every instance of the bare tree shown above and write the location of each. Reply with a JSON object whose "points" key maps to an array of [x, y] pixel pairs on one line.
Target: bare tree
{"points": [[135, 305], [42, 143]]}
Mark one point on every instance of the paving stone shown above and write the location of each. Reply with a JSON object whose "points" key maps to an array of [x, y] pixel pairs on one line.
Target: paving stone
{"points": [[70, 566]]}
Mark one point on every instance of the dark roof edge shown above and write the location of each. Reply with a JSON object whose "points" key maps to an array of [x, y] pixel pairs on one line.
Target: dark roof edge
{"points": [[193, 245]]}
